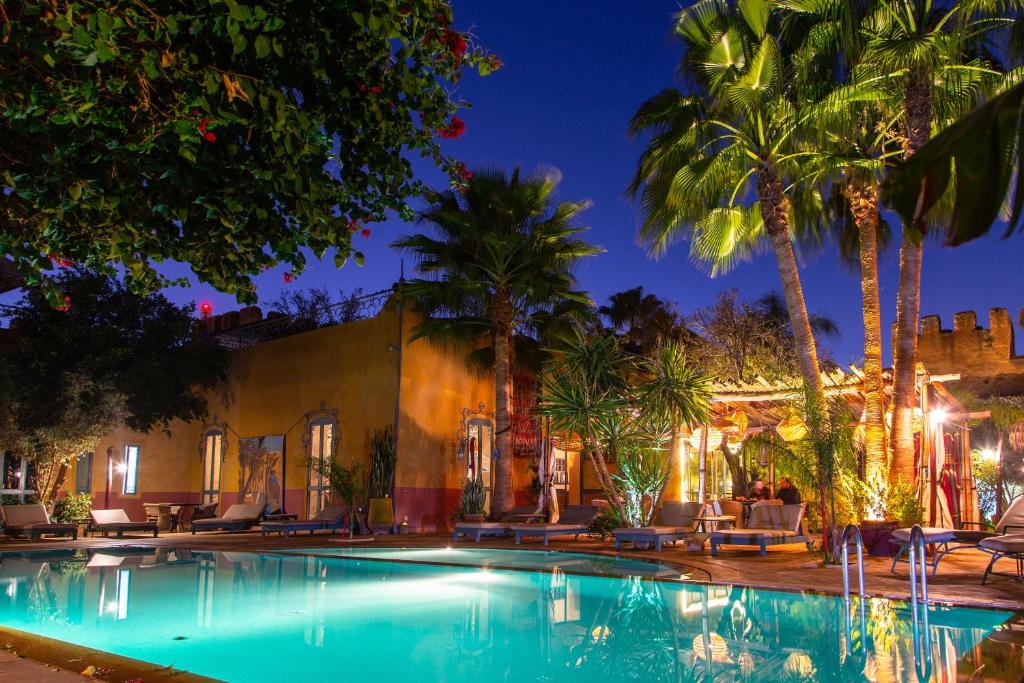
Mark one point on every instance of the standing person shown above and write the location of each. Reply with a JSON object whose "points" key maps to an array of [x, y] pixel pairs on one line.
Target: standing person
{"points": [[788, 494]]}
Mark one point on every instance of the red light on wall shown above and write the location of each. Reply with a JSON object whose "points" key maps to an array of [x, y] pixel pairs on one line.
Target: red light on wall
{"points": [[206, 308]]}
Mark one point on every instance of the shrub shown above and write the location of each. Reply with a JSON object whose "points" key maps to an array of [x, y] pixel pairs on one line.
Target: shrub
{"points": [[901, 504], [474, 497], [71, 507]]}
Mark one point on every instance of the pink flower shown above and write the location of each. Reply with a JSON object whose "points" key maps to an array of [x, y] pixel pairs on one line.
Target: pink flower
{"points": [[209, 136], [289, 277]]}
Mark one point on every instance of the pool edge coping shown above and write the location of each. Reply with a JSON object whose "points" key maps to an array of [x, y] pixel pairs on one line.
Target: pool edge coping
{"points": [[110, 667]]}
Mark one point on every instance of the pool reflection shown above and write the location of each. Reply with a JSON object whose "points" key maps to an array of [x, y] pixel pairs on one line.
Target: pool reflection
{"points": [[327, 617]]}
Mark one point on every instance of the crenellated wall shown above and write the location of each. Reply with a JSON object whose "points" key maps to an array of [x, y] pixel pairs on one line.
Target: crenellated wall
{"points": [[968, 349]]}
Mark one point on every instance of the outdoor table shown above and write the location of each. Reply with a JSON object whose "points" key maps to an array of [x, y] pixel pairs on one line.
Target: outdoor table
{"points": [[714, 519], [167, 517]]}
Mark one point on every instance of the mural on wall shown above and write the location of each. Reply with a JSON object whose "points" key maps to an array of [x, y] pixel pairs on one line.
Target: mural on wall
{"points": [[261, 466]]}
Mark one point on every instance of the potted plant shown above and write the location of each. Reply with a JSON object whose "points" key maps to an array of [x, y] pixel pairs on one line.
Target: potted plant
{"points": [[346, 481], [473, 500], [381, 513]]}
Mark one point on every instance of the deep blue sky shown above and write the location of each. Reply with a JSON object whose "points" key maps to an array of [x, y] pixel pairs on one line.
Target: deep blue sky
{"points": [[574, 73]]}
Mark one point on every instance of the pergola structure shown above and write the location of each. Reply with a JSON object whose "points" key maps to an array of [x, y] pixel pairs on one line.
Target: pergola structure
{"points": [[944, 475]]}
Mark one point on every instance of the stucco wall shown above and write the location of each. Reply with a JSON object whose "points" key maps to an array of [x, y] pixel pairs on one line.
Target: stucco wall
{"points": [[350, 368]]}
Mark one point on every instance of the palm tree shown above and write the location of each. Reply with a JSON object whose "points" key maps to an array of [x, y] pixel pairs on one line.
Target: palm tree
{"points": [[624, 408], [852, 128], [499, 258], [913, 45], [641, 318], [719, 164], [985, 147]]}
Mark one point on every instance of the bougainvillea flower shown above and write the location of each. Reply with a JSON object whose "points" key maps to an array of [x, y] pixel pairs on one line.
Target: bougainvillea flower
{"points": [[455, 128]]}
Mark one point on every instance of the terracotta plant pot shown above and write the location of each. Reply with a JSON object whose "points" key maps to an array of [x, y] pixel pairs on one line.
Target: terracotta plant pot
{"points": [[381, 517], [473, 518]]}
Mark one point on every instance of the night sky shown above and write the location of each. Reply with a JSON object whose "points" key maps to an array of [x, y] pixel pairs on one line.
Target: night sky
{"points": [[574, 73]]}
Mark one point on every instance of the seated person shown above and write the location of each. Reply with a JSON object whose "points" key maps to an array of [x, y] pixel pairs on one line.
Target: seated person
{"points": [[759, 491], [788, 494]]}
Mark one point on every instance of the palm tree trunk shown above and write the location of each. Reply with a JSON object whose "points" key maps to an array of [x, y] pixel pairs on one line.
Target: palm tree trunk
{"points": [[502, 495], [774, 212], [863, 198], [917, 107]]}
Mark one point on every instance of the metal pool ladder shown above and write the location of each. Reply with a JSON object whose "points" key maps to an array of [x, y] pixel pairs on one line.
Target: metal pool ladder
{"points": [[922, 646], [916, 554], [852, 530]]}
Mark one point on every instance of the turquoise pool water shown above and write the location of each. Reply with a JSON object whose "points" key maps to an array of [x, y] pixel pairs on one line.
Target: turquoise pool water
{"points": [[493, 558], [277, 617]]}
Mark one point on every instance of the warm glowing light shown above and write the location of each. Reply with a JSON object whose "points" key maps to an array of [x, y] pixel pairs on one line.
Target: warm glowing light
{"points": [[938, 416], [989, 455], [714, 438], [122, 468], [600, 632]]}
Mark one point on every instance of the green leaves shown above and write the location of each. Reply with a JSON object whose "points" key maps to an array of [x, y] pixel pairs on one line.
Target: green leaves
{"points": [[979, 155], [234, 136]]}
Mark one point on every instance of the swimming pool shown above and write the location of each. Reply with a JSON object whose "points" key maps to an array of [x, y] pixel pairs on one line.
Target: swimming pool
{"points": [[494, 558], [279, 617]]}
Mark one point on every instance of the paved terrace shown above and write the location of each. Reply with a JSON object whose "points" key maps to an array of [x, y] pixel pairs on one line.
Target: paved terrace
{"points": [[958, 580]]}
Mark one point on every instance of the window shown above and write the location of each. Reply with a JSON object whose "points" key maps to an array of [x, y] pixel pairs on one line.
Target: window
{"points": [[17, 476], [212, 459], [130, 472], [321, 446], [480, 446], [83, 474]]}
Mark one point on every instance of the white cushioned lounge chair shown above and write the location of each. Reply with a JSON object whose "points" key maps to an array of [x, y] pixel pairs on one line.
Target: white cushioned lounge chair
{"points": [[34, 522], [951, 540], [239, 517], [675, 520], [575, 520], [767, 525]]}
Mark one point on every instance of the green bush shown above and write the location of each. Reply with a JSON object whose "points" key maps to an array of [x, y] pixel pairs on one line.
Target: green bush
{"points": [[72, 507], [474, 497], [901, 504]]}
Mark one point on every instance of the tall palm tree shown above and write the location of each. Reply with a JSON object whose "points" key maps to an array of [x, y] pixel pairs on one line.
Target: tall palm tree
{"points": [[853, 129], [498, 259], [914, 45], [986, 149], [719, 165]]}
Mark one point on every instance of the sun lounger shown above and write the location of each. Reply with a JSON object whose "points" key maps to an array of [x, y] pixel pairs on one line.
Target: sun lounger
{"points": [[951, 540], [477, 530], [574, 521], [675, 520], [32, 521], [1009, 545], [331, 518], [118, 522], [239, 517], [768, 525]]}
